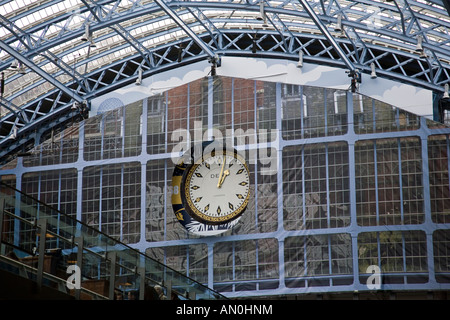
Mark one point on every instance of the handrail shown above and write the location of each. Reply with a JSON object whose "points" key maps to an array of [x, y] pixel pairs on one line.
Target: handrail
{"points": [[22, 218], [49, 276]]}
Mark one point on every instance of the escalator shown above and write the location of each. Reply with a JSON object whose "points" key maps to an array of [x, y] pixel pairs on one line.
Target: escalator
{"points": [[18, 282], [46, 254]]}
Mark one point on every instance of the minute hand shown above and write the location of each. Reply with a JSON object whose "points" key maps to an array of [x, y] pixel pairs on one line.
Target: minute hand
{"points": [[219, 183]]}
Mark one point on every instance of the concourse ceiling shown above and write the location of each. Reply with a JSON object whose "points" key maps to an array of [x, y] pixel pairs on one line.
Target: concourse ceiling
{"points": [[56, 56]]}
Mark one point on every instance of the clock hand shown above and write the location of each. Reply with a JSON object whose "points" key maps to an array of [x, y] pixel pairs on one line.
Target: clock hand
{"points": [[226, 173], [219, 183]]}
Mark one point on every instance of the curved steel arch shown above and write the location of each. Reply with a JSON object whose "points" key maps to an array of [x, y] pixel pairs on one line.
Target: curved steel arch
{"points": [[383, 33]]}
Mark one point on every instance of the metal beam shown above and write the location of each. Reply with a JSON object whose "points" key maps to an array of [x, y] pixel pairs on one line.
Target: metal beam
{"points": [[18, 112], [446, 4], [40, 72], [213, 57], [10, 26], [122, 32], [327, 34]]}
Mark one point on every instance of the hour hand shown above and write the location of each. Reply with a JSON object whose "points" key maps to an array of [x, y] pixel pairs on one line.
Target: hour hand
{"points": [[226, 173], [219, 183]]}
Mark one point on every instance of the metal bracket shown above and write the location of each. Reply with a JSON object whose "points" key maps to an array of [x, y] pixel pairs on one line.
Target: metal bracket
{"points": [[42, 225], [112, 274], [80, 247]]}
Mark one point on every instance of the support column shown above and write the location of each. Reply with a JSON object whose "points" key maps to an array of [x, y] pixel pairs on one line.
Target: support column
{"points": [[42, 226]]}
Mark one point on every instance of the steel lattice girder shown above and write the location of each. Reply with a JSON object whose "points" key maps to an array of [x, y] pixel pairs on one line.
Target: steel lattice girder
{"points": [[384, 34]]}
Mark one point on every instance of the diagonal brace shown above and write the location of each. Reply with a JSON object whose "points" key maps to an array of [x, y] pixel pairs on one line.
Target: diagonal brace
{"points": [[40, 72], [328, 35], [212, 56]]}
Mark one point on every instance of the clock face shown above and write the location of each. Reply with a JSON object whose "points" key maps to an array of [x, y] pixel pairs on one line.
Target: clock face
{"points": [[216, 187]]}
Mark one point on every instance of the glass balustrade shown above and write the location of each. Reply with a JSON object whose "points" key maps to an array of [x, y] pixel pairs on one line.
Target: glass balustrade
{"points": [[55, 250]]}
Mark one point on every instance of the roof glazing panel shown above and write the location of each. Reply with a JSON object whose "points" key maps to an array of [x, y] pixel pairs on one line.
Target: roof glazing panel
{"points": [[47, 35]]}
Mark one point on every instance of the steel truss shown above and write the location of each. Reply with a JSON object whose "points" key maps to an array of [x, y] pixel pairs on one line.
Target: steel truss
{"points": [[407, 41]]}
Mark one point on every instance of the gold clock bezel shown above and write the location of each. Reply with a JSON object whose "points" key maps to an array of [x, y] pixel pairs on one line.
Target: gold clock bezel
{"points": [[189, 205]]}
